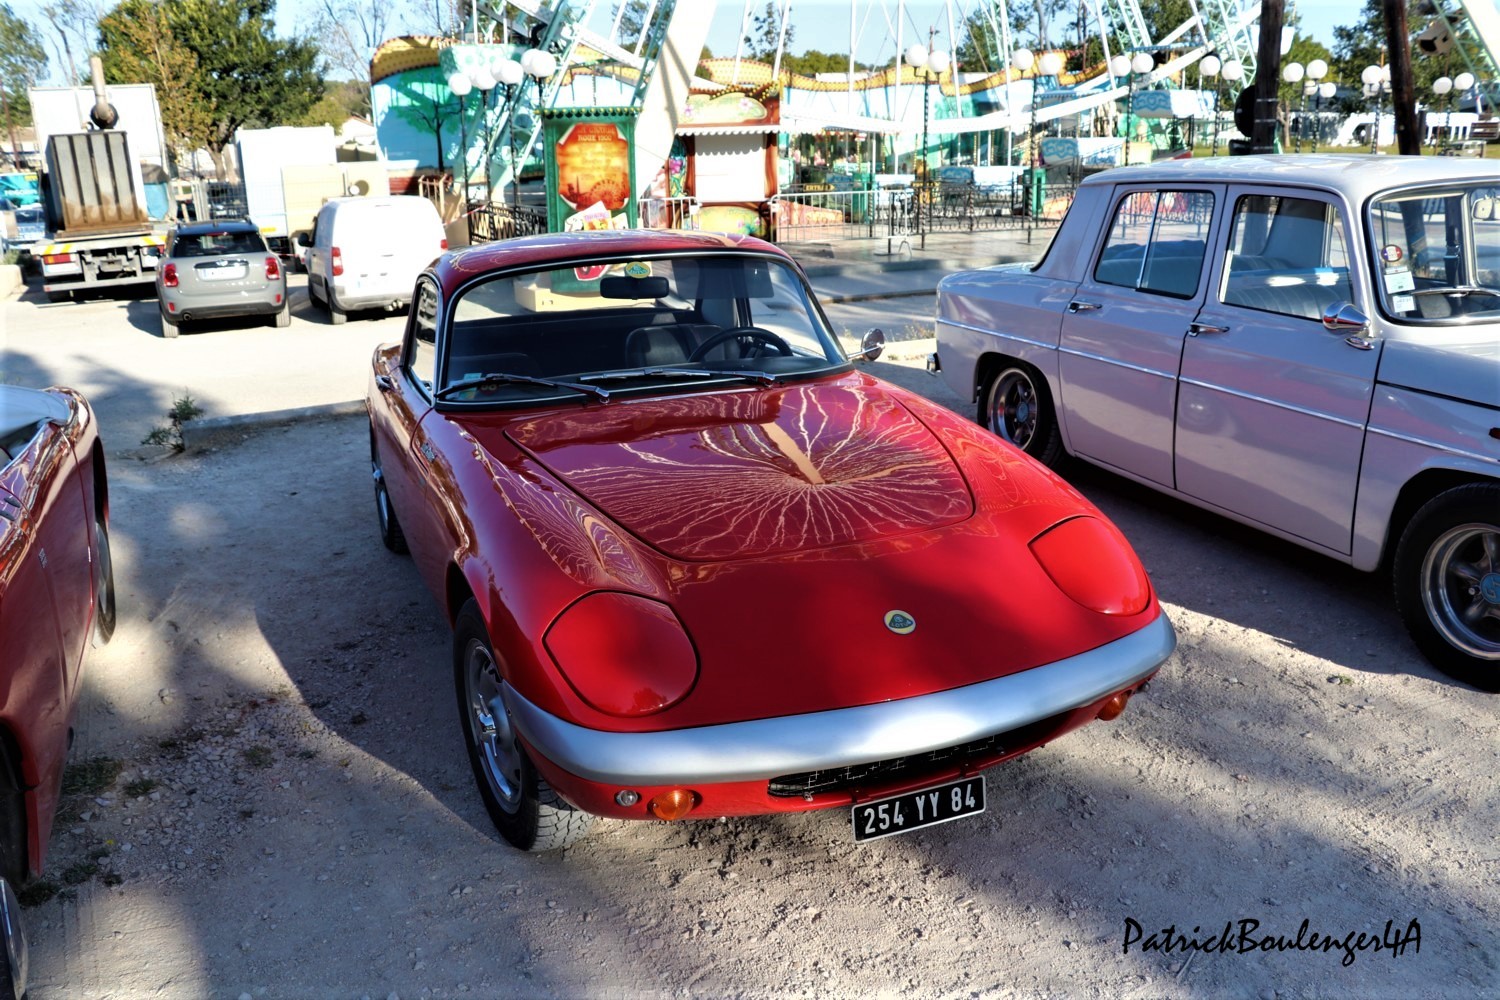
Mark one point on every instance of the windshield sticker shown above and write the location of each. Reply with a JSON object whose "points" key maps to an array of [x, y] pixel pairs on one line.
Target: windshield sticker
{"points": [[1399, 281], [1403, 303], [1391, 253], [638, 269]]}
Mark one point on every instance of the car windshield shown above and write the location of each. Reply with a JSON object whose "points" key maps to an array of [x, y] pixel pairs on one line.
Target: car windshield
{"points": [[217, 244], [1437, 252], [642, 323]]}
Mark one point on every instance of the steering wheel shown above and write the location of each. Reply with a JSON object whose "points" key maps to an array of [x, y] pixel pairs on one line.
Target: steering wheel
{"points": [[735, 333]]}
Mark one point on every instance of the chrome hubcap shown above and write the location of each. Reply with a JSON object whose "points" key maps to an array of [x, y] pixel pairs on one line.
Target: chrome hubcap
{"points": [[1461, 588], [1013, 409], [489, 726], [382, 501]]}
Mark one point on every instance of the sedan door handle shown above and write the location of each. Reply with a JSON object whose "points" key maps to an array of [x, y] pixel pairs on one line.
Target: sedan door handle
{"points": [[384, 383], [1082, 307], [1197, 328]]}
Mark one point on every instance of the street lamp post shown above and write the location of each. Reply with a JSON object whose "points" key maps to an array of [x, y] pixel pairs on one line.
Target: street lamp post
{"points": [[932, 62], [1293, 72], [459, 83], [1209, 66], [1317, 69], [1461, 84], [1377, 79], [1233, 72], [1443, 87]]}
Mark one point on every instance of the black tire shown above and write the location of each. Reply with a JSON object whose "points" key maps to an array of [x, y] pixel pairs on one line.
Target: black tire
{"points": [[62, 296], [13, 950], [168, 327], [1016, 405], [104, 585], [284, 317], [523, 807], [1447, 581], [336, 316], [14, 865], [390, 528]]}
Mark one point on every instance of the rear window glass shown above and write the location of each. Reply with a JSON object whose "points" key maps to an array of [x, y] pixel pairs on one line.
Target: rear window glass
{"points": [[216, 244]]}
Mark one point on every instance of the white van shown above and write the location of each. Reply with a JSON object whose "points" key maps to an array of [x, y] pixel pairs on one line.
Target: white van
{"points": [[366, 253]]}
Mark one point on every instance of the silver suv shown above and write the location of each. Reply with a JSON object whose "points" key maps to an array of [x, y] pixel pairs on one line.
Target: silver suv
{"points": [[216, 269]]}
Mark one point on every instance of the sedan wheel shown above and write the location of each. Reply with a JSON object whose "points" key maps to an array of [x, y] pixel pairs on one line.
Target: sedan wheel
{"points": [[391, 534], [1018, 409], [523, 807], [104, 584], [1447, 577]]}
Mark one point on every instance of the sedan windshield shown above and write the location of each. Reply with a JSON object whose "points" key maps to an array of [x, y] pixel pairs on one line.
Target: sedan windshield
{"points": [[637, 325], [1437, 253]]}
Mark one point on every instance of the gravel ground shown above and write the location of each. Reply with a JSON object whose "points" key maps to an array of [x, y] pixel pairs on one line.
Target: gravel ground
{"points": [[280, 806], [294, 816]]}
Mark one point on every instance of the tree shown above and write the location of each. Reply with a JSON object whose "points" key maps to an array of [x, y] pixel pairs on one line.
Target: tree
{"points": [[140, 46], [22, 60], [341, 99], [765, 33], [351, 31], [1363, 44], [246, 76], [75, 23], [632, 21]]}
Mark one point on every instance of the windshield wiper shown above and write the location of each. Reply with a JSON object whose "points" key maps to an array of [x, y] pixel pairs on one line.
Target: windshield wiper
{"points": [[686, 373], [504, 378], [1459, 291]]}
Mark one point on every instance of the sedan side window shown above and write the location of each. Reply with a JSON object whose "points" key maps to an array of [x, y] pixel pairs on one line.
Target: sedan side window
{"points": [[1286, 256], [1157, 241], [421, 351]]}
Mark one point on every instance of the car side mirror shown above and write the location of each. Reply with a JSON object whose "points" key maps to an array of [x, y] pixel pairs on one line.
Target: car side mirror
{"points": [[872, 346], [1341, 317]]}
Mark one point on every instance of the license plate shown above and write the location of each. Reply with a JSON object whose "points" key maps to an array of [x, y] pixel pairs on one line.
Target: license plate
{"points": [[915, 810], [217, 273]]}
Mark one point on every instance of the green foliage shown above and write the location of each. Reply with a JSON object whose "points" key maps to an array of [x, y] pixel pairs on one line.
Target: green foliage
{"points": [[139, 45], [341, 98], [814, 61], [245, 75], [765, 33], [22, 60], [183, 409], [1362, 44]]}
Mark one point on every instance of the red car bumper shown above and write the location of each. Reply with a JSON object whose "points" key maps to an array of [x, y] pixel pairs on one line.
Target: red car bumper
{"points": [[842, 757]]}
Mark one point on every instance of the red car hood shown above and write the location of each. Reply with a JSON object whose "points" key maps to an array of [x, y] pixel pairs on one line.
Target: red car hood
{"points": [[784, 524], [730, 476]]}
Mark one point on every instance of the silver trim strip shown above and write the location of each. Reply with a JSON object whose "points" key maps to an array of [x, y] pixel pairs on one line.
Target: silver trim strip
{"points": [[1343, 421], [995, 333], [765, 748], [1446, 449], [1118, 363]]}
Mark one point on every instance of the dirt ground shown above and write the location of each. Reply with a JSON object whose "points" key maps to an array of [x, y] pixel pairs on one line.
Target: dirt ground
{"points": [[293, 814]]}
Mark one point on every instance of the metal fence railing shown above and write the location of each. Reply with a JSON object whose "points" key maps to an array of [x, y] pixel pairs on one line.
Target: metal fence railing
{"points": [[492, 221], [667, 213]]}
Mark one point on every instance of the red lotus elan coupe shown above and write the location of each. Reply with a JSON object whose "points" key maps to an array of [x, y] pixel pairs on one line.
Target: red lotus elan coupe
{"points": [[698, 564]]}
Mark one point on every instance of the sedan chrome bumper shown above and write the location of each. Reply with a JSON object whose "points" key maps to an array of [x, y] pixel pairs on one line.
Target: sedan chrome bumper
{"points": [[764, 748]]}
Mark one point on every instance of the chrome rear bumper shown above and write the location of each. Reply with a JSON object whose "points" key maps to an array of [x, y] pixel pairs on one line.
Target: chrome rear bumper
{"points": [[765, 748]]}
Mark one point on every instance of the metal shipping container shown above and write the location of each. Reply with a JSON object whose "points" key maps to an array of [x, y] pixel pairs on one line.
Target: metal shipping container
{"points": [[90, 185]]}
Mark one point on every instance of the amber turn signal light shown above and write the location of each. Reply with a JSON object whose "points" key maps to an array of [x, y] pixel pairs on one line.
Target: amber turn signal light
{"points": [[1114, 706], [673, 805]]}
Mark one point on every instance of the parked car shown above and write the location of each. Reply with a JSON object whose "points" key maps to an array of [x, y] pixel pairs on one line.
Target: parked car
{"points": [[366, 253], [56, 595], [1309, 345], [218, 269], [697, 564]]}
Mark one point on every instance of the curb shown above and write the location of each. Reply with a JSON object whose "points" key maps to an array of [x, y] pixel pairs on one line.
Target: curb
{"points": [[947, 264], [198, 435]]}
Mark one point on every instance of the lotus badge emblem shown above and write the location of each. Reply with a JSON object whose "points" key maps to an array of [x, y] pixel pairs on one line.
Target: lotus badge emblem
{"points": [[900, 622]]}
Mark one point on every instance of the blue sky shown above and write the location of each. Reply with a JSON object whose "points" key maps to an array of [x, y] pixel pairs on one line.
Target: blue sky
{"points": [[824, 24]]}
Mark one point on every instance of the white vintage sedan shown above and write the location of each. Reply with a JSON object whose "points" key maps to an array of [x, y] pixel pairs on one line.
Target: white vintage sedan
{"points": [[1309, 345]]}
